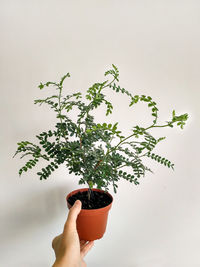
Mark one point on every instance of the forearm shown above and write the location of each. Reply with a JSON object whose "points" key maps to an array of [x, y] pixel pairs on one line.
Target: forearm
{"points": [[65, 263]]}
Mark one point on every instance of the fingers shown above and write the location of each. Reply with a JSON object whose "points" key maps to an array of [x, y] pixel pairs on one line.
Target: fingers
{"points": [[82, 242], [86, 247], [72, 215]]}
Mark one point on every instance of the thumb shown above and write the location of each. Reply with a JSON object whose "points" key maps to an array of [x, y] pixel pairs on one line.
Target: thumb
{"points": [[73, 214]]}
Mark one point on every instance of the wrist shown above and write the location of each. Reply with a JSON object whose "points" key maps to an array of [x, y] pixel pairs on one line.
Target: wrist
{"points": [[60, 264], [65, 263]]}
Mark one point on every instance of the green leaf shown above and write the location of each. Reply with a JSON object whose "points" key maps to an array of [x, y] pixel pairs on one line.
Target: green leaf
{"points": [[115, 127], [63, 78], [95, 151], [41, 86]]}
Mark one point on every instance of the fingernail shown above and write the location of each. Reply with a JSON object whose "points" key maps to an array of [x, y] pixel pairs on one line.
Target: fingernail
{"points": [[77, 202]]}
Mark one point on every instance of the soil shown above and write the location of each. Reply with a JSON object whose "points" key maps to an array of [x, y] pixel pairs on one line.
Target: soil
{"points": [[97, 200]]}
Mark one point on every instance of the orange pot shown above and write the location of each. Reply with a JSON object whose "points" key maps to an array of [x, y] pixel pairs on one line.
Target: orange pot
{"points": [[91, 224]]}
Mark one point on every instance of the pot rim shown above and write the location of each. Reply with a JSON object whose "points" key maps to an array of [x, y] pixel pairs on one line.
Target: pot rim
{"points": [[91, 211]]}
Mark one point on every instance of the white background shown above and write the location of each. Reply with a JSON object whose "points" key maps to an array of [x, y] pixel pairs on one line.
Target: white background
{"points": [[155, 45]]}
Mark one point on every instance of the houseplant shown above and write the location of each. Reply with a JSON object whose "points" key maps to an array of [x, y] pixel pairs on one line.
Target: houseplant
{"points": [[98, 153]]}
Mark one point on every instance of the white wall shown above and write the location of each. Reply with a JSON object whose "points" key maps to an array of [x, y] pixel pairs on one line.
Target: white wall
{"points": [[155, 45]]}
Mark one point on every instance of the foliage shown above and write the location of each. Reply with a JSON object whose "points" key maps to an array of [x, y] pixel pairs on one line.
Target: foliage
{"points": [[87, 148]]}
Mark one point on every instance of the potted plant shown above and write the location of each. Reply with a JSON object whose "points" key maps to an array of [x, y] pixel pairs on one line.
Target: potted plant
{"points": [[99, 153]]}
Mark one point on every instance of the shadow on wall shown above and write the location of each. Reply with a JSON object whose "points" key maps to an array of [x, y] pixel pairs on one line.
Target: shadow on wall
{"points": [[36, 212]]}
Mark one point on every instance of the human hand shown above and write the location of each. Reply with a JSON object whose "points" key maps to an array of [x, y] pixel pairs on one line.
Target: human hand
{"points": [[69, 250]]}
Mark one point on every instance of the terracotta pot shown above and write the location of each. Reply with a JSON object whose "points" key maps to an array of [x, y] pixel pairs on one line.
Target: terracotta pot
{"points": [[91, 224]]}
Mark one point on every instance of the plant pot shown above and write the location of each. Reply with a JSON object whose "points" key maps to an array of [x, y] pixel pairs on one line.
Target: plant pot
{"points": [[91, 223]]}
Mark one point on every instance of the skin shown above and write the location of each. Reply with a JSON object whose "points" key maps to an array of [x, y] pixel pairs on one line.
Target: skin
{"points": [[69, 250]]}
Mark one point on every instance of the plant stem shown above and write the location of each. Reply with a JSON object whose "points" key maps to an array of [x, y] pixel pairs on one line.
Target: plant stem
{"points": [[89, 193], [59, 111], [108, 84], [122, 141], [97, 165], [90, 189], [157, 126]]}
